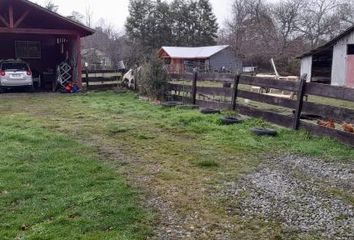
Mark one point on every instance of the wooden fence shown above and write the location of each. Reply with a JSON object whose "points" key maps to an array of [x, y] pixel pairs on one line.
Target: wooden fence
{"points": [[229, 98], [100, 79]]}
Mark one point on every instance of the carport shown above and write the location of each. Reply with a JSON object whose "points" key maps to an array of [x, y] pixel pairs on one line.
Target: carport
{"points": [[42, 38]]}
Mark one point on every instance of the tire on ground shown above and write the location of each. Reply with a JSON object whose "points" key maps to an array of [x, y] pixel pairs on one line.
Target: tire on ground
{"points": [[209, 111], [171, 104], [264, 132], [229, 120]]}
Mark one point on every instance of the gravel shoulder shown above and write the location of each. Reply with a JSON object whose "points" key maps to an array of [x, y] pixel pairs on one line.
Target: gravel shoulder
{"points": [[309, 197]]}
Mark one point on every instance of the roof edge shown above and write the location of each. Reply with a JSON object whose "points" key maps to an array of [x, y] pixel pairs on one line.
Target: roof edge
{"points": [[329, 44], [89, 31]]}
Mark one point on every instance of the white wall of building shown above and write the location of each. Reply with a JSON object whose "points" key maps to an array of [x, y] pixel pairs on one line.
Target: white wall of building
{"points": [[339, 65], [306, 67]]}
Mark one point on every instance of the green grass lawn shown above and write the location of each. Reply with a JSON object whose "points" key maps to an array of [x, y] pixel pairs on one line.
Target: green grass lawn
{"points": [[52, 187], [67, 160]]}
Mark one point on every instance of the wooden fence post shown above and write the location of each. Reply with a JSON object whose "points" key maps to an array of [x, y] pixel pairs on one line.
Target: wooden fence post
{"points": [[135, 73], [87, 77], [235, 91], [194, 87], [300, 101]]}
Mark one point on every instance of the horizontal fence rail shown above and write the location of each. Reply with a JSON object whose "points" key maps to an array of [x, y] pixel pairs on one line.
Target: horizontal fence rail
{"points": [[228, 97], [100, 79]]}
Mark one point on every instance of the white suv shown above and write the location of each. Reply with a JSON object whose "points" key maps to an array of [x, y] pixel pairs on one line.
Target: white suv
{"points": [[15, 73]]}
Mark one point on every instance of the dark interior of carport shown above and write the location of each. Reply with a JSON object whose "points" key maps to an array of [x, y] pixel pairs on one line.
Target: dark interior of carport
{"points": [[41, 38], [42, 52]]}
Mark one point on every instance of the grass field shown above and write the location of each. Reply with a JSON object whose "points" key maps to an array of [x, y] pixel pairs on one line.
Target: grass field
{"points": [[79, 165], [52, 187]]}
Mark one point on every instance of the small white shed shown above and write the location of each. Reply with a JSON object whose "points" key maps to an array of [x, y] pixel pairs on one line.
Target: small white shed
{"points": [[332, 63]]}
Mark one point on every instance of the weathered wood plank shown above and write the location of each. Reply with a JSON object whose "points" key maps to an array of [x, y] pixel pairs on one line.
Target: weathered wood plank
{"points": [[216, 91], [101, 79], [336, 113], [179, 87], [344, 137], [276, 118], [101, 71], [324, 90], [185, 76], [102, 87], [331, 112], [194, 88], [270, 83], [218, 77], [228, 92], [300, 101], [235, 92], [258, 97]]}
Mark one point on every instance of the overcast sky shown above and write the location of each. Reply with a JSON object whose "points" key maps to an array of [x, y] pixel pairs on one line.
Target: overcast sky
{"points": [[116, 11]]}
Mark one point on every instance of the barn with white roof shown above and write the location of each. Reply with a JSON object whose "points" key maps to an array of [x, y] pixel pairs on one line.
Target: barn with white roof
{"points": [[207, 59]]}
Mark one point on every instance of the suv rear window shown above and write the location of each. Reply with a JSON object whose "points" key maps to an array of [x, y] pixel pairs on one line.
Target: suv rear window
{"points": [[14, 66]]}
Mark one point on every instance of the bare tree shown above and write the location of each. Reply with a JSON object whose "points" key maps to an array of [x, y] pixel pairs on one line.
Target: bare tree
{"points": [[319, 21], [346, 13], [259, 30], [286, 14], [51, 6], [251, 31], [89, 16], [77, 17]]}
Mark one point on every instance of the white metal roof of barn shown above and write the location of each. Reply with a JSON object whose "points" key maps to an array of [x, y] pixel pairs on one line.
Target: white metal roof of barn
{"points": [[193, 52]]}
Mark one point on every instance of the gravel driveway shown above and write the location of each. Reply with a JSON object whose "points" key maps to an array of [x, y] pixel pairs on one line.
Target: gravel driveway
{"points": [[308, 196]]}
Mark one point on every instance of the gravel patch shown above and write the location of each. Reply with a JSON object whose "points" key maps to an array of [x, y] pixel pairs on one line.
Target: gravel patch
{"points": [[294, 191]]}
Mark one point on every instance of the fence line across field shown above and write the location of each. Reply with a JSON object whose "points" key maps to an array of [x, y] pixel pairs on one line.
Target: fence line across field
{"points": [[229, 98], [100, 79]]}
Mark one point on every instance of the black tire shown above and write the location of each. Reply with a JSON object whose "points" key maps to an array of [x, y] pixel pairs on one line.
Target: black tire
{"points": [[264, 132], [209, 111], [30, 89], [191, 106], [171, 104], [229, 120]]}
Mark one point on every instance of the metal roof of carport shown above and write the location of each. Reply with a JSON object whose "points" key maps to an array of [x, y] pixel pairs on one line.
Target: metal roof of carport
{"points": [[193, 52]]}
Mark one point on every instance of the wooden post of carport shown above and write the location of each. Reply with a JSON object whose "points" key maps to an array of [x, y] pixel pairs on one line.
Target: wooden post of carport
{"points": [[79, 66]]}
